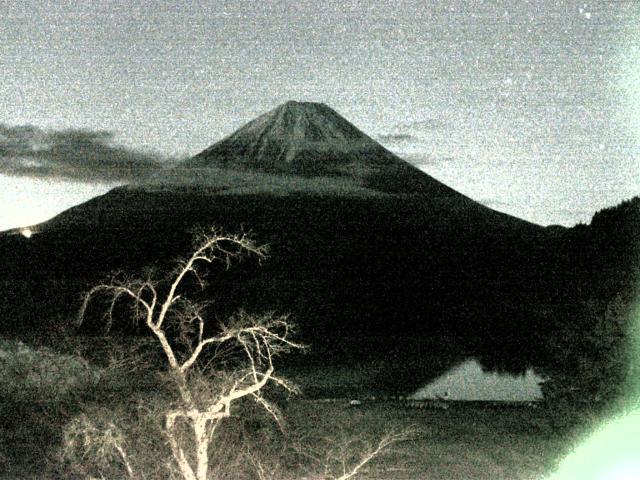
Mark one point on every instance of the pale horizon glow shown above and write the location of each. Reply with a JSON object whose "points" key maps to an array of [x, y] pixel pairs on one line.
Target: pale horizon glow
{"points": [[28, 201]]}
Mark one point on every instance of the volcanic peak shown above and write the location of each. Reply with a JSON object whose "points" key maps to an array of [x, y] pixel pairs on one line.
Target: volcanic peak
{"points": [[296, 137], [314, 122], [304, 146]]}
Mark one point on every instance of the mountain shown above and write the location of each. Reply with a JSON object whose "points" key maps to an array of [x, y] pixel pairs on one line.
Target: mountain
{"points": [[297, 137], [304, 146], [374, 259]]}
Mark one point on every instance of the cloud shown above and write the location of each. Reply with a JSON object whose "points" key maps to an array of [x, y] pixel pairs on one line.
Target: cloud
{"points": [[419, 159], [496, 203], [409, 132], [425, 124], [77, 154], [414, 132], [396, 137]]}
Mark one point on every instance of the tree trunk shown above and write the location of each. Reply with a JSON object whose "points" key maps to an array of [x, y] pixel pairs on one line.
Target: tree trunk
{"points": [[202, 447], [178, 454]]}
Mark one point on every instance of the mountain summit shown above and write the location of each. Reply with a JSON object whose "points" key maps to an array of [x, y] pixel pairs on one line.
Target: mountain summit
{"points": [[306, 139], [297, 137]]}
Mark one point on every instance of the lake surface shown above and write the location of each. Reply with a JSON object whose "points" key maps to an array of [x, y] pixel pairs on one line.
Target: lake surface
{"points": [[469, 381]]}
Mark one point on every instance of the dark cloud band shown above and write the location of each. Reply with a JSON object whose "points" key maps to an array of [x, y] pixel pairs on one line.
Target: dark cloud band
{"points": [[396, 137], [422, 125], [75, 154]]}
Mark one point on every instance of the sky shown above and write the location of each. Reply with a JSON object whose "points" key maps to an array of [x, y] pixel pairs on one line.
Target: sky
{"points": [[530, 107]]}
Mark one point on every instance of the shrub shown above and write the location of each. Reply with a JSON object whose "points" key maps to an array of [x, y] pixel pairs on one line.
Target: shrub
{"points": [[41, 375]]}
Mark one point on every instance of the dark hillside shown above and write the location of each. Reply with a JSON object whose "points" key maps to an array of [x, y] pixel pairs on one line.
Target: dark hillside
{"points": [[345, 267]]}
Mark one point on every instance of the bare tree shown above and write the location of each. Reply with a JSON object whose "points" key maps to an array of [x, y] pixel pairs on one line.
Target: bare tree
{"points": [[345, 459], [180, 327]]}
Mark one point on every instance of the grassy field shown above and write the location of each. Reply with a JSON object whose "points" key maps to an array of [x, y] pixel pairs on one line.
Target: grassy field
{"points": [[465, 441], [458, 443], [461, 442]]}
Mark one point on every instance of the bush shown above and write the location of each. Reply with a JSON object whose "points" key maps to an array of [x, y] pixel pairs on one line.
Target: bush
{"points": [[41, 375], [591, 355]]}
